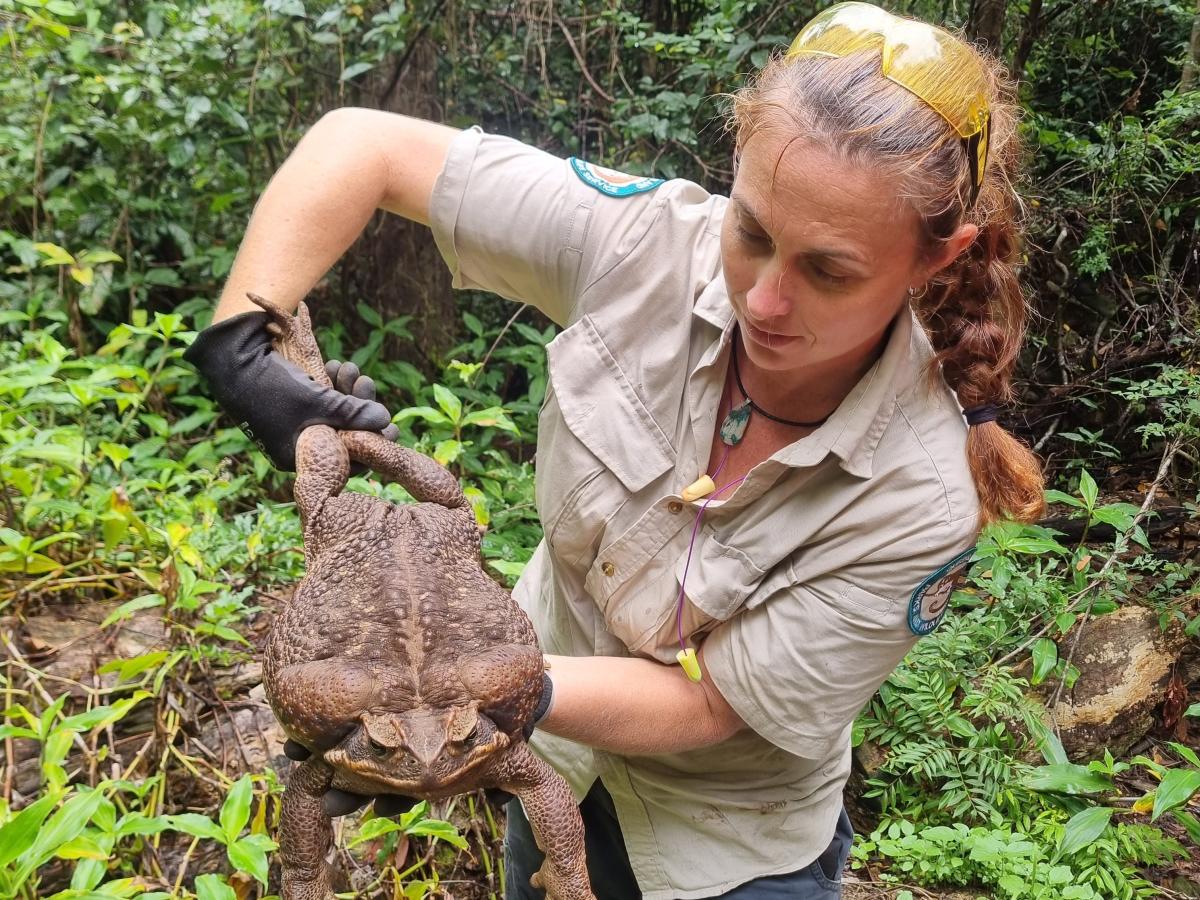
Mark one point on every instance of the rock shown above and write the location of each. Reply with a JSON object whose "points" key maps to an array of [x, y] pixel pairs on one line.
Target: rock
{"points": [[1125, 662]]}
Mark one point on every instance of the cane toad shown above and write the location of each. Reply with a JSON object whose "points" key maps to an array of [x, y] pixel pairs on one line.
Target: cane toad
{"points": [[399, 663]]}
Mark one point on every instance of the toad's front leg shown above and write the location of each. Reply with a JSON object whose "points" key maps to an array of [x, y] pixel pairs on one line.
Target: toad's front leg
{"points": [[306, 833], [557, 826]]}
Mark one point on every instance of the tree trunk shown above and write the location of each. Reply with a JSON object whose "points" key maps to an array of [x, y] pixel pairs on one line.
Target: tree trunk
{"points": [[394, 267], [1191, 64], [1030, 29], [986, 24]]}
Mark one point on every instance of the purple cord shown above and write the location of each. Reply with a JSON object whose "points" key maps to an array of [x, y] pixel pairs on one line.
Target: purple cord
{"points": [[691, 543]]}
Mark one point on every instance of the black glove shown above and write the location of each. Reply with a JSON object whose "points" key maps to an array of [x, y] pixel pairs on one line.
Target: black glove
{"points": [[341, 803], [273, 400]]}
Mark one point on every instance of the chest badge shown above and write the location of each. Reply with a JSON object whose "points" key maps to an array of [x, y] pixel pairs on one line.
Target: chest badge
{"points": [[610, 181], [928, 602]]}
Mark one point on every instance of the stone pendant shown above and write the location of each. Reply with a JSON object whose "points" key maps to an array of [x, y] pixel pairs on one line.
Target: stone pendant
{"points": [[733, 429]]}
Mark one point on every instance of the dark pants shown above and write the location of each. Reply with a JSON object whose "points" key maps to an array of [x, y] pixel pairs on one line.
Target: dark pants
{"points": [[611, 875]]}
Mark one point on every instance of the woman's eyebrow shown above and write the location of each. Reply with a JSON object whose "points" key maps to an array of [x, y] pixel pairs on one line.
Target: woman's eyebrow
{"points": [[813, 252]]}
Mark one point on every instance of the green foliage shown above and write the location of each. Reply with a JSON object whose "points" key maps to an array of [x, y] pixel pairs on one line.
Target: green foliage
{"points": [[1021, 860]]}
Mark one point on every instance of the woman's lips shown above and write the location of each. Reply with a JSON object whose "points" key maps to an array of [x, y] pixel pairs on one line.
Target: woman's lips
{"points": [[767, 339]]}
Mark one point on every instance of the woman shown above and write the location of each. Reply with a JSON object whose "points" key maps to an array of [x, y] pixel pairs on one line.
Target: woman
{"points": [[770, 435]]}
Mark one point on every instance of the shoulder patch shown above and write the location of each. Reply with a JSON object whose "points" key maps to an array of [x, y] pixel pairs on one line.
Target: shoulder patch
{"points": [[610, 181], [928, 602]]}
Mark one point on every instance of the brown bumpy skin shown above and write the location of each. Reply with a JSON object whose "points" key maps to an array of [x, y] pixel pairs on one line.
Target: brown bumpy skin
{"points": [[399, 663]]}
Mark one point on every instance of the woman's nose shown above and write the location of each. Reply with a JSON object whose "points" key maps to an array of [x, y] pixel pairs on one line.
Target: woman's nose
{"points": [[766, 299]]}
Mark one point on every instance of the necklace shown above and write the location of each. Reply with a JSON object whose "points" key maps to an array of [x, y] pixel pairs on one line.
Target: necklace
{"points": [[733, 428]]}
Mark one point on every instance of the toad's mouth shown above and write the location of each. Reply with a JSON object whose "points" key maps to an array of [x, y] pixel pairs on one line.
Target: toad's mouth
{"points": [[402, 772]]}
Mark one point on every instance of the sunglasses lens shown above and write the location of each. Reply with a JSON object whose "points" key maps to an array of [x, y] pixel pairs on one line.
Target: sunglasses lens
{"points": [[925, 60]]}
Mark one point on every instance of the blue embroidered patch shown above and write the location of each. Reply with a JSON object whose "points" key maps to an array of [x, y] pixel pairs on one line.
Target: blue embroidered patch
{"points": [[928, 602], [611, 182]]}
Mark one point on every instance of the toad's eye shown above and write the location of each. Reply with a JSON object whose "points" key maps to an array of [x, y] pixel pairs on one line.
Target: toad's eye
{"points": [[472, 734], [378, 749]]}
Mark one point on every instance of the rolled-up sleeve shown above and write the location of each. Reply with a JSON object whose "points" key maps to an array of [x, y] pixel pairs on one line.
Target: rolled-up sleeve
{"points": [[517, 221], [800, 664]]}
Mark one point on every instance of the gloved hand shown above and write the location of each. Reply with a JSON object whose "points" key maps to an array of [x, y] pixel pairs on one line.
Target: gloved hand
{"points": [[273, 400]]}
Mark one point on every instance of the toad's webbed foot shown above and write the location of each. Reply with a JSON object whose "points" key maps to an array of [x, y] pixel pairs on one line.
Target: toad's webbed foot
{"points": [[294, 339]]}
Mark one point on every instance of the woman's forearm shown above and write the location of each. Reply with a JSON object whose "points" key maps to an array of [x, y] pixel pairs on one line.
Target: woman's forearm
{"points": [[635, 706], [349, 164]]}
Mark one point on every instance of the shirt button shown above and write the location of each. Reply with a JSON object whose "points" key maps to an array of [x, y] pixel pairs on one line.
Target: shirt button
{"points": [[607, 568], [674, 507]]}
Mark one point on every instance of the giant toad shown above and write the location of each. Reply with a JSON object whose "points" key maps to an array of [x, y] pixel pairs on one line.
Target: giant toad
{"points": [[399, 663]]}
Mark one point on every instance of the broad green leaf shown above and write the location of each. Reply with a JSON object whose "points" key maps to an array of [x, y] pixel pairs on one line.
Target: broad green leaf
{"points": [[95, 257], [62, 827], [146, 601], [508, 567], [479, 505], [213, 887], [246, 856], [449, 403], [235, 811], [1193, 710], [1186, 752], [436, 828], [446, 452], [370, 315], [136, 823], [197, 826], [18, 834], [428, 413], [1087, 488], [81, 847], [102, 716], [195, 108], [1060, 497], [357, 69], [1066, 778], [53, 255], [31, 564], [131, 668], [1045, 657], [1176, 788], [1084, 827], [1189, 822], [1064, 621], [373, 829]]}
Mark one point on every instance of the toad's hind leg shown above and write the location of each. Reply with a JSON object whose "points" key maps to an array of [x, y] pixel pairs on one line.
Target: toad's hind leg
{"points": [[306, 833], [555, 820], [322, 468], [416, 473]]}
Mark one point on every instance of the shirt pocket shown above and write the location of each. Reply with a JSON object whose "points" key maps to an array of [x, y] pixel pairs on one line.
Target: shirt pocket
{"points": [[597, 444]]}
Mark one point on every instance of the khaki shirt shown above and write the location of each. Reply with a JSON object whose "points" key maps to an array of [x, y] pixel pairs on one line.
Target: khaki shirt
{"points": [[801, 581]]}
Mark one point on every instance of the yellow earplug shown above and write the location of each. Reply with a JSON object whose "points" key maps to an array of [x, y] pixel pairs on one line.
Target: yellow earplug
{"points": [[691, 665], [701, 487]]}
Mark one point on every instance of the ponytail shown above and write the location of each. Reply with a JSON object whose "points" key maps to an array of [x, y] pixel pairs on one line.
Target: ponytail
{"points": [[975, 313]]}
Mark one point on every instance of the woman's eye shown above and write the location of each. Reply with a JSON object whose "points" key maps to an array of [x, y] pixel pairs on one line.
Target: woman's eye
{"points": [[752, 237], [829, 278]]}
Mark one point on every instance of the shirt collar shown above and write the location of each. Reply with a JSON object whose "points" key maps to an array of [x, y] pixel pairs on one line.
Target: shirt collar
{"points": [[853, 431]]}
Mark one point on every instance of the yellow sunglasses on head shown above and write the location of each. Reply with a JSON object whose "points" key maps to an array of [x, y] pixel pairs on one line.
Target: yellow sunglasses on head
{"points": [[928, 61]]}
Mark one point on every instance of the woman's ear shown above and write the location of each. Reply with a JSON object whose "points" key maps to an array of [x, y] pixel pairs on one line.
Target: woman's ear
{"points": [[953, 248]]}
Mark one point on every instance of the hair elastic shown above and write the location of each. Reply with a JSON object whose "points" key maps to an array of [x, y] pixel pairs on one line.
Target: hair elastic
{"points": [[985, 412]]}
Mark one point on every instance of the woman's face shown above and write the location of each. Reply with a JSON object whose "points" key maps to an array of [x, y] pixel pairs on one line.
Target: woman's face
{"points": [[818, 255]]}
